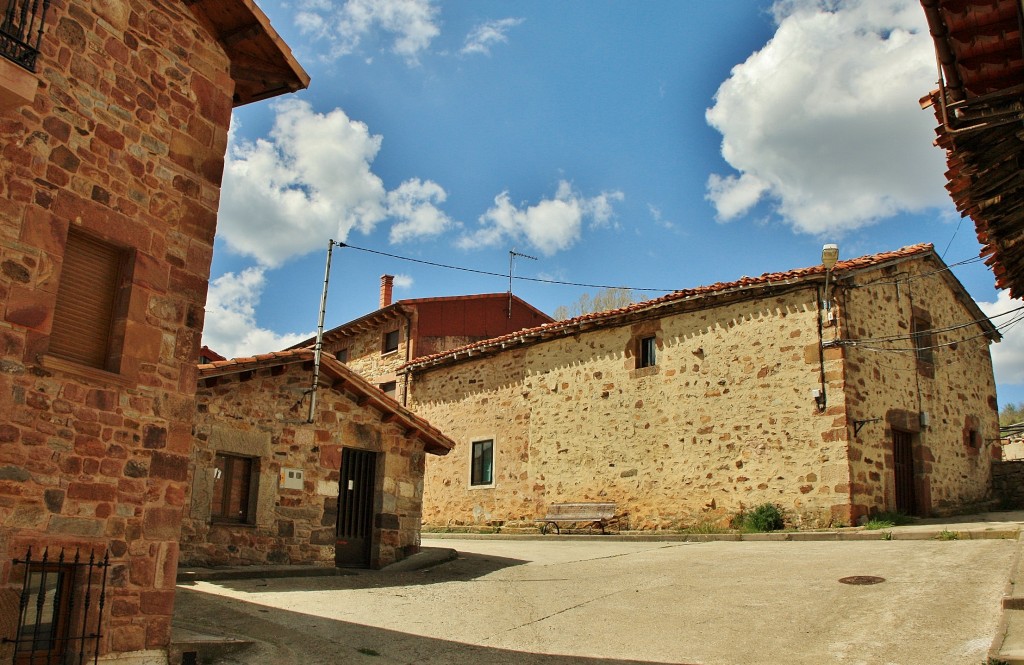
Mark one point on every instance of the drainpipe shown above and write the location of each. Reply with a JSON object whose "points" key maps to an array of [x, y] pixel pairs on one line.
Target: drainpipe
{"points": [[408, 355]]}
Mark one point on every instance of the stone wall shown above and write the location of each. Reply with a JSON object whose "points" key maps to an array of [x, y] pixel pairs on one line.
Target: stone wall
{"points": [[727, 418], [263, 416], [724, 420], [364, 351], [889, 388], [125, 140], [1008, 483]]}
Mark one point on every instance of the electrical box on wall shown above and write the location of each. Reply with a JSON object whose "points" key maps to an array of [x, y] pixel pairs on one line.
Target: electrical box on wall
{"points": [[290, 479]]}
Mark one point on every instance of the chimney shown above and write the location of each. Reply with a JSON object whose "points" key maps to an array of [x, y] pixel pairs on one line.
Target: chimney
{"points": [[387, 282]]}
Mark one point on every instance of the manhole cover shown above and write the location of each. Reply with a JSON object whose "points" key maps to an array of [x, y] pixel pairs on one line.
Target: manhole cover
{"points": [[862, 579]]}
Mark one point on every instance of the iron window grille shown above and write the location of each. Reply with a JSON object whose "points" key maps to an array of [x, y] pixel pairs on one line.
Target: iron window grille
{"points": [[61, 609], [21, 31]]}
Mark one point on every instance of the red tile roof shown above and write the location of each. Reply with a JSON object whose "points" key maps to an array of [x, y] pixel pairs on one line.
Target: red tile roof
{"points": [[597, 319], [344, 380], [978, 110]]}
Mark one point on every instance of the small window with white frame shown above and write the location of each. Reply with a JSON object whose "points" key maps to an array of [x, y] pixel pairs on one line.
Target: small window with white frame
{"points": [[481, 472]]}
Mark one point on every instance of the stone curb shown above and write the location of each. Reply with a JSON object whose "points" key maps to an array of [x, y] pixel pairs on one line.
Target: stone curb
{"points": [[425, 558], [1007, 643], [998, 533]]}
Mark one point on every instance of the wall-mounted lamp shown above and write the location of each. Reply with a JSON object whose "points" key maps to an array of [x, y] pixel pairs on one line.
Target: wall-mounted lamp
{"points": [[819, 398], [829, 257]]}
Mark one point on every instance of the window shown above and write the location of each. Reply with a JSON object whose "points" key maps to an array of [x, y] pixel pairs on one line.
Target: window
{"points": [[43, 630], [647, 355], [341, 355], [92, 303], [389, 388], [234, 490], [920, 331], [482, 470], [390, 341]]}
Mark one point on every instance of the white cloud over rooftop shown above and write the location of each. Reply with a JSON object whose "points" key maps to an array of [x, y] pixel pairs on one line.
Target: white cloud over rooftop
{"points": [[823, 121]]}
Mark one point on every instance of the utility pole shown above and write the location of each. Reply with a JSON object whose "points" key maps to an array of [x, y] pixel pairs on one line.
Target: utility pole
{"points": [[320, 332]]}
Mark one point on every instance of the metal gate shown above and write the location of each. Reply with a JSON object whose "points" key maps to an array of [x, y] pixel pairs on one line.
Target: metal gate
{"points": [[903, 467], [60, 609], [355, 507]]}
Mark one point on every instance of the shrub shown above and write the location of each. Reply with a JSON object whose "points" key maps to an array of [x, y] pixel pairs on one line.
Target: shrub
{"points": [[766, 517]]}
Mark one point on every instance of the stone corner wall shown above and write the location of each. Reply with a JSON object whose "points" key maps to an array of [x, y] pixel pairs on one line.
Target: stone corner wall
{"points": [[124, 141], [257, 418], [1008, 483]]}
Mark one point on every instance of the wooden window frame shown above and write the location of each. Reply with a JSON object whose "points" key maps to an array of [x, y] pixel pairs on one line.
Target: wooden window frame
{"points": [[647, 351], [386, 346], [477, 471], [81, 305], [923, 340], [238, 471]]}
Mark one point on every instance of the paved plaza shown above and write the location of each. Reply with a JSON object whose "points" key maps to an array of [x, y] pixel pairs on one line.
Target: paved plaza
{"points": [[555, 601]]}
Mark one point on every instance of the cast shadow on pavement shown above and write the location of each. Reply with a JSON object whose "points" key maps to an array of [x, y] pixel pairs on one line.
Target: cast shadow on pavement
{"points": [[464, 567], [283, 637]]}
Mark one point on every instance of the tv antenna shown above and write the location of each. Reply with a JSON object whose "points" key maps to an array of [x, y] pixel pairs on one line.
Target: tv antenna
{"points": [[512, 254]]}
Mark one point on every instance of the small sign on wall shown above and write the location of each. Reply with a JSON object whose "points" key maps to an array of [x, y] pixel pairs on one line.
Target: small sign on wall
{"points": [[291, 479]]}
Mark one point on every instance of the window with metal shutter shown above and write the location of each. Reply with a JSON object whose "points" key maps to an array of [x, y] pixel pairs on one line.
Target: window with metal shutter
{"points": [[83, 318]]}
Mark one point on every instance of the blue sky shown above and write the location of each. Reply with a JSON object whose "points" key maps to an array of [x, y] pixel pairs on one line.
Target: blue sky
{"points": [[657, 145]]}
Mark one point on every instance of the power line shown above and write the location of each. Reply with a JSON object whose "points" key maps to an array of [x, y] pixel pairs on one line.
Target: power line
{"points": [[495, 274], [911, 278]]}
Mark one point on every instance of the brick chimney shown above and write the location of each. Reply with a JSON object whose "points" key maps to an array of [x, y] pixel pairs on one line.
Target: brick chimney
{"points": [[387, 283]]}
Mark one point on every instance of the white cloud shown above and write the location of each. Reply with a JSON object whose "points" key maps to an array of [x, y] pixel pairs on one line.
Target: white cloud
{"points": [[230, 327], [549, 226], [311, 180], [824, 121], [1008, 354], [412, 203], [412, 23], [403, 281], [482, 37]]}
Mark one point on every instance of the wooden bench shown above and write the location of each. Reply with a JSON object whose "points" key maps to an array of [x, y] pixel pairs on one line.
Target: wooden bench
{"points": [[592, 513]]}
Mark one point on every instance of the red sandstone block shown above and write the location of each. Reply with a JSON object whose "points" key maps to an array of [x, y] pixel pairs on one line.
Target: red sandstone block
{"points": [[162, 523], [127, 638], [157, 602], [124, 607], [92, 491]]}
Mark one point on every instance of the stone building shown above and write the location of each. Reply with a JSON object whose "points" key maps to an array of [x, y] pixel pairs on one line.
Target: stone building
{"points": [[835, 394], [113, 130], [377, 344], [265, 477]]}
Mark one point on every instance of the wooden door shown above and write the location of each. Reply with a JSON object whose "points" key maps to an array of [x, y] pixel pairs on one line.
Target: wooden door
{"points": [[903, 467], [355, 507]]}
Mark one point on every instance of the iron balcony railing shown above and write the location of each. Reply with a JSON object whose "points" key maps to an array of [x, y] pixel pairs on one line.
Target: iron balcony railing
{"points": [[21, 30]]}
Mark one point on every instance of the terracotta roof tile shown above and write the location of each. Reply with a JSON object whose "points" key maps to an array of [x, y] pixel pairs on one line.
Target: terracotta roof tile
{"points": [[564, 327]]}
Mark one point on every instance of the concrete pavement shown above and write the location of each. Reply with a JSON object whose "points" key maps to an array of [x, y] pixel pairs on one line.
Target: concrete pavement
{"points": [[643, 599]]}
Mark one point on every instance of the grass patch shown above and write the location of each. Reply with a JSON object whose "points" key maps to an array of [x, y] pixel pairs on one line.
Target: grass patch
{"points": [[897, 519], [707, 527], [947, 535], [875, 524], [366, 651], [766, 517]]}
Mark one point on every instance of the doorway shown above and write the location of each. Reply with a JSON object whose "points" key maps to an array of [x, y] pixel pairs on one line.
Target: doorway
{"points": [[355, 508], [903, 468]]}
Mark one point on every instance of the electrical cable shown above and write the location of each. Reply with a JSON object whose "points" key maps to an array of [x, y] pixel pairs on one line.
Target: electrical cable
{"points": [[498, 274]]}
